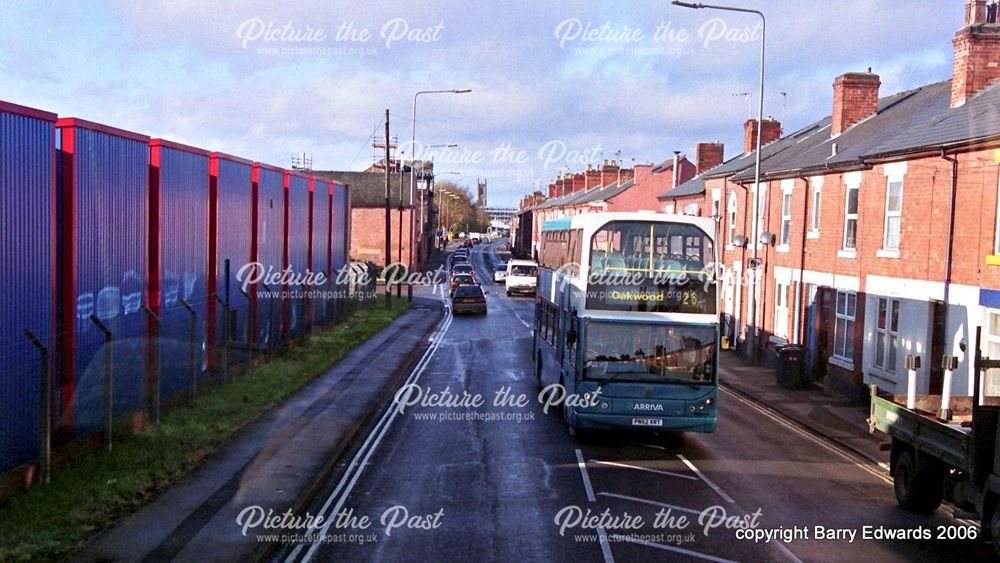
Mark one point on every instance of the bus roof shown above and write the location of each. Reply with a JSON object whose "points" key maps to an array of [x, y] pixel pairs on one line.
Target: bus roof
{"points": [[560, 224], [594, 220]]}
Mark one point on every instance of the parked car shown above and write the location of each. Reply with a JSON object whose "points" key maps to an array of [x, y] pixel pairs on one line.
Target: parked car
{"points": [[500, 273], [521, 277], [459, 280], [468, 299]]}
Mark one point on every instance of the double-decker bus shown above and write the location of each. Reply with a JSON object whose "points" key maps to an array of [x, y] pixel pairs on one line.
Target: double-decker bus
{"points": [[626, 320]]}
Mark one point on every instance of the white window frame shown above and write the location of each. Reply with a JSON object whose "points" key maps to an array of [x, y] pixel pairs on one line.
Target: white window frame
{"points": [[892, 214], [781, 290], [848, 216], [886, 335], [786, 217], [733, 208], [817, 209], [850, 325], [761, 195], [989, 337]]}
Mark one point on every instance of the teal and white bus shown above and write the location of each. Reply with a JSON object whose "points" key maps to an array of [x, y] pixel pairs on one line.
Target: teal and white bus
{"points": [[626, 320]]}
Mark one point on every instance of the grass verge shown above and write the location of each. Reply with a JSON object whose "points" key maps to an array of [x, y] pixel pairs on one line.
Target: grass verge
{"points": [[47, 522]]}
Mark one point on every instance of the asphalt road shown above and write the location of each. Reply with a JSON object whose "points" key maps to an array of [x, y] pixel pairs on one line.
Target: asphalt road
{"points": [[438, 485]]}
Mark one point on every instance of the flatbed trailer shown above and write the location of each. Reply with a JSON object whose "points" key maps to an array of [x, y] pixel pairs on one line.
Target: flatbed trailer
{"points": [[955, 459]]}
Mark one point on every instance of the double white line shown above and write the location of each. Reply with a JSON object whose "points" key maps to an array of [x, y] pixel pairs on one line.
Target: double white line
{"points": [[343, 489]]}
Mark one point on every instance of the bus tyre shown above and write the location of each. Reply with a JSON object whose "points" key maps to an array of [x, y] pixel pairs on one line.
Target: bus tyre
{"points": [[917, 490], [567, 415]]}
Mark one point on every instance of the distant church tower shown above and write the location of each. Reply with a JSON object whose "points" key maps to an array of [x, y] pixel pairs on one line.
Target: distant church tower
{"points": [[481, 193]]}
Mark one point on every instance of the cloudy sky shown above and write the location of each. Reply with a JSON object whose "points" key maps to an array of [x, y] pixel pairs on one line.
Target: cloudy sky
{"points": [[554, 84]]}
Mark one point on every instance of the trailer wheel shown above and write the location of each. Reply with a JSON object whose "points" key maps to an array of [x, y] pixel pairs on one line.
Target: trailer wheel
{"points": [[995, 530], [918, 490]]}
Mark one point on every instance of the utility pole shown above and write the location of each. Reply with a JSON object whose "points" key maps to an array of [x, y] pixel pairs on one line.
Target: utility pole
{"points": [[388, 211]]}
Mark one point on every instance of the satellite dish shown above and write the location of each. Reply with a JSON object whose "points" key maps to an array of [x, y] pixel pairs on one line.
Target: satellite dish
{"points": [[767, 237]]}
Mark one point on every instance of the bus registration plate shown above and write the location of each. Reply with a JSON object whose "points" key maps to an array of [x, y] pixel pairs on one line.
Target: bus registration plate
{"points": [[647, 422]]}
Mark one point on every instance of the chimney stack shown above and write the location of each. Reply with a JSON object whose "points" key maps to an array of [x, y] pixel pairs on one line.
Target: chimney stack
{"points": [[976, 52], [593, 178], [709, 155], [579, 182], [855, 97], [772, 132]]}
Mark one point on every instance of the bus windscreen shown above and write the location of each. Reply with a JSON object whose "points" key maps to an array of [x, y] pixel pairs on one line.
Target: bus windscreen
{"points": [[649, 352], [651, 267]]}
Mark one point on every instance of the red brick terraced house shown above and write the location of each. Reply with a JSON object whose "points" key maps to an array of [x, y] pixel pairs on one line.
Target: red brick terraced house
{"points": [[609, 188], [879, 230]]}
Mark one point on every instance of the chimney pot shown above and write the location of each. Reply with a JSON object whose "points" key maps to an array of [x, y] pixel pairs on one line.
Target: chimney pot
{"points": [[975, 48]]}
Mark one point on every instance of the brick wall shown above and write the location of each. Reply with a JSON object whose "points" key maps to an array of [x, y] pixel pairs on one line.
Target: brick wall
{"points": [[923, 237], [368, 235]]}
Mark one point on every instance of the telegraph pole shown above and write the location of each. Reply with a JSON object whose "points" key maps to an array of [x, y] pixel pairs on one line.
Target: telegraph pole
{"points": [[388, 211]]}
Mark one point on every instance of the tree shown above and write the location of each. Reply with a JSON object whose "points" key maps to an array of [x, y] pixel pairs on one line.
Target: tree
{"points": [[460, 213]]}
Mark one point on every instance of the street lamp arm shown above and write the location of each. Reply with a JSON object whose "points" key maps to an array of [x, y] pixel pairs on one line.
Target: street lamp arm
{"points": [[699, 6]]}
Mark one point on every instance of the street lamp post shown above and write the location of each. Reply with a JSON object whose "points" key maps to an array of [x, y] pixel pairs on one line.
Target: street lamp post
{"points": [[432, 184], [752, 336], [413, 142]]}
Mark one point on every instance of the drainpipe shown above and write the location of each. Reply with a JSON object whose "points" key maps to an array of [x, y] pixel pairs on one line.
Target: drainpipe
{"points": [[802, 263], [951, 241], [951, 226]]}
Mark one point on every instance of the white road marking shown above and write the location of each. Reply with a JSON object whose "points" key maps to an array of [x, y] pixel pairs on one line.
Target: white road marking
{"points": [[650, 502], [371, 443], [707, 481], [842, 454], [586, 478], [674, 549], [605, 546], [640, 468], [653, 446], [602, 536]]}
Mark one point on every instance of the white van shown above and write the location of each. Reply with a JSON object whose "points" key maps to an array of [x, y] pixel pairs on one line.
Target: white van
{"points": [[521, 277]]}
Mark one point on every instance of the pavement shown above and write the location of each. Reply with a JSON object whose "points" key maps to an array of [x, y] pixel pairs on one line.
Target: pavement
{"points": [[832, 418], [275, 464]]}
